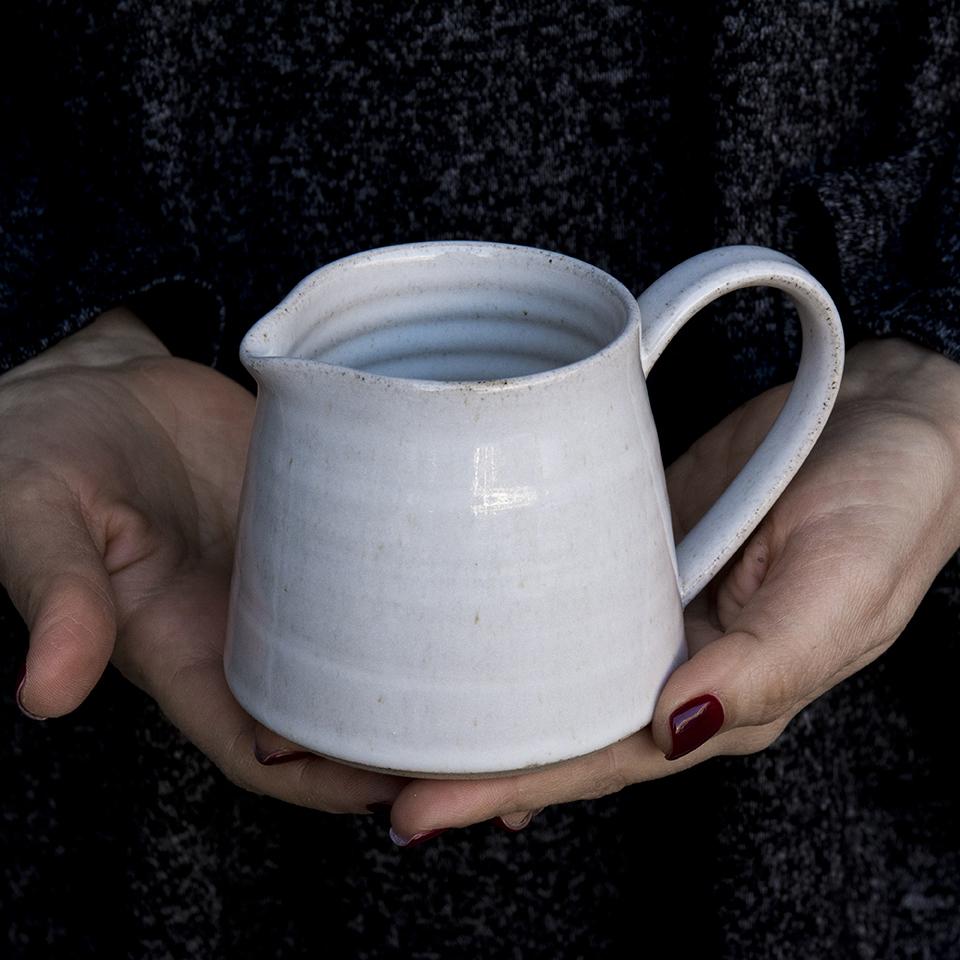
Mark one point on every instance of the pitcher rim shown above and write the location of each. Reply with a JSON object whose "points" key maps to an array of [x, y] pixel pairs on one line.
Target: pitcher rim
{"points": [[403, 251]]}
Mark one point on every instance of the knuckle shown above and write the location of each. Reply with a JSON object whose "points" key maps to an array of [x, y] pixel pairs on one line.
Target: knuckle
{"points": [[776, 682], [303, 787], [756, 739], [611, 776], [32, 492], [237, 764], [28, 484], [87, 585], [516, 794], [777, 691], [871, 593], [616, 778], [322, 795], [239, 778], [76, 612], [771, 733]]}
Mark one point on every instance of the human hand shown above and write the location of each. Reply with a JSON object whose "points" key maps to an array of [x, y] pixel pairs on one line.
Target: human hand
{"points": [[120, 473], [824, 586]]}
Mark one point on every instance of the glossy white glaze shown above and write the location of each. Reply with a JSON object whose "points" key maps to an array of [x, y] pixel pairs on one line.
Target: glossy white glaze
{"points": [[454, 553]]}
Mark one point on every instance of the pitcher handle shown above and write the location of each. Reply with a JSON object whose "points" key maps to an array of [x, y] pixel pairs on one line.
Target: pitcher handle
{"points": [[665, 307]]}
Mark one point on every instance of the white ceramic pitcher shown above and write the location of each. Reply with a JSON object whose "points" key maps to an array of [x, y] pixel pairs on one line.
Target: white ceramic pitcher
{"points": [[454, 553]]}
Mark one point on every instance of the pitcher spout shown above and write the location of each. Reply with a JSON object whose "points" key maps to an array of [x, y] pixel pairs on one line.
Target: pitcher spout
{"points": [[270, 345]]}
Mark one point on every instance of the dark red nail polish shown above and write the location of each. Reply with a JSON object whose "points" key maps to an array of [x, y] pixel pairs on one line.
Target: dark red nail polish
{"points": [[693, 724], [416, 839], [280, 756], [423, 837], [21, 679]]}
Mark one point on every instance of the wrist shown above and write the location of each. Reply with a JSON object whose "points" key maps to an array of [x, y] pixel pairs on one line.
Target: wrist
{"points": [[910, 380], [116, 336]]}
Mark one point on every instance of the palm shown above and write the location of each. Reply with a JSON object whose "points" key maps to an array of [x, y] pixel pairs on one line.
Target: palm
{"points": [[825, 584], [171, 581], [173, 597], [867, 492], [697, 479], [121, 543]]}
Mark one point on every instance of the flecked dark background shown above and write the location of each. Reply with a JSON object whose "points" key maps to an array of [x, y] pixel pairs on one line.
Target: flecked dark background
{"points": [[197, 158]]}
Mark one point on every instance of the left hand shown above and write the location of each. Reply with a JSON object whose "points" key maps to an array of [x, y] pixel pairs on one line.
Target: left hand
{"points": [[825, 585], [120, 473]]}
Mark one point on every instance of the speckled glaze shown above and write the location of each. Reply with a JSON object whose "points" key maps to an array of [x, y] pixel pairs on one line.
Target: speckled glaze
{"points": [[454, 553]]}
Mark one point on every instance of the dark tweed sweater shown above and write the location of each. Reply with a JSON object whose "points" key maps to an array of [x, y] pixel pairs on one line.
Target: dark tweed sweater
{"points": [[196, 158]]}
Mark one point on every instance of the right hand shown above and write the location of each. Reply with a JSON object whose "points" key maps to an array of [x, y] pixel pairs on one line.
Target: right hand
{"points": [[120, 474]]}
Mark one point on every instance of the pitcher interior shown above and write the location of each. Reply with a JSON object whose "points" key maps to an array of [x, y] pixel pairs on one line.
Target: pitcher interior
{"points": [[455, 312]]}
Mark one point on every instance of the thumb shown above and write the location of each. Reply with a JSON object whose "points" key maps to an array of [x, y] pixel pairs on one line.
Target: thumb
{"points": [[790, 633], [56, 578]]}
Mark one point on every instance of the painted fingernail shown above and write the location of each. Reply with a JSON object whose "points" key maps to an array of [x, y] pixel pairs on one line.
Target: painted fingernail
{"points": [[279, 756], [416, 839], [514, 823], [21, 680], [693, 724]]}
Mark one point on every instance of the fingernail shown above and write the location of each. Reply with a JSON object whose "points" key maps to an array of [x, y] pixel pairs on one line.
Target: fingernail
{"points": [[21, 680], [416, 839], [693, 724], [279, 756], [514, 823]]}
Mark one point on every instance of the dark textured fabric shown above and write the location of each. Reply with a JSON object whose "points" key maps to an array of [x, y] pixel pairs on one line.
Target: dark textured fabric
{"points": [[196, 159]]}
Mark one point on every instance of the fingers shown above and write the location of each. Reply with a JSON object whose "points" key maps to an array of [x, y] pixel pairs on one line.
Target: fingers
{"points": [[798, 618], [697, 478], [427, 805], [55, 576], [270, 748], [752, 689], [172, 646], [209, 715], [800, 612], [792, 631], [424, 807]]}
